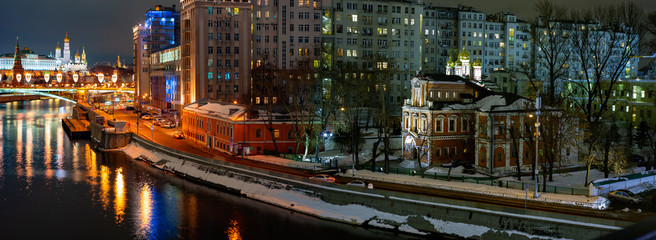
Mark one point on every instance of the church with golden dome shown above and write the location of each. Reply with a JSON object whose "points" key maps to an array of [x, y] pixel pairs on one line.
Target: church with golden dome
{"points": [[464, 68], [64, 61]]}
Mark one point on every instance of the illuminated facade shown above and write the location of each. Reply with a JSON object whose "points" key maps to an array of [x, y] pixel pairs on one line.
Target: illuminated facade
{"points": [[216, 51], [30, 61], [24, 66], [159, 31], [165, 78]]}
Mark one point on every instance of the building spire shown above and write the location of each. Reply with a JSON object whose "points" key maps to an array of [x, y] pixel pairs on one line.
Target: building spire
{"points": [[84, 55], [18, 66]]}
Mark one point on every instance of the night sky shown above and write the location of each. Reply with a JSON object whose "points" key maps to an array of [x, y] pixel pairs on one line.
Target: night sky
{"points": [[104, 27]]}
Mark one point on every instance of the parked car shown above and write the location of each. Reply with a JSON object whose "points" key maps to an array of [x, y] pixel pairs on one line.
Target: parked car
{"points": [[625, 196], [147, 117], [178, 135], [129, 108], [323, 177]]}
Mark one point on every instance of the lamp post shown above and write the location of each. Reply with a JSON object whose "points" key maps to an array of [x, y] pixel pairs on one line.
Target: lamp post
{"points": [[537, 137]]}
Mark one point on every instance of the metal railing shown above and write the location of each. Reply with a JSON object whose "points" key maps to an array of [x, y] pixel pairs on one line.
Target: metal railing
{"points": [[490, 181]]}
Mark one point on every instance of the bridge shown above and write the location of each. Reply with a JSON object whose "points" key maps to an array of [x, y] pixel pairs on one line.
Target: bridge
{"points": [[62, 92]]}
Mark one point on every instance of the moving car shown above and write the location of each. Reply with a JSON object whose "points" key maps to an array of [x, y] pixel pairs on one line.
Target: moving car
{"points": [[323, 177], [359, 183], [159, 121], [178, 135], [167, 124], [624, 196], [147, 117]]}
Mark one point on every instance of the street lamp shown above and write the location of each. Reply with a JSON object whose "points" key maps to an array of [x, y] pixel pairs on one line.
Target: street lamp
{"points": [[537, 137], [46, 77]]}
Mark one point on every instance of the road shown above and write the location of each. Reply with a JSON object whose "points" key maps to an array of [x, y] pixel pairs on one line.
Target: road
{"points": [[164, 136]]}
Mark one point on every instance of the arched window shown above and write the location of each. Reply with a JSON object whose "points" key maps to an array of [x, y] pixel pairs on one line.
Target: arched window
{"points": [[423, 123], [464, 123], [453, 122], [438, 123]]}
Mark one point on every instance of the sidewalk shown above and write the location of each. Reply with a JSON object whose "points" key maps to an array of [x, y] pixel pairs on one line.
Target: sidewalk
{"points": [[481, 189]]}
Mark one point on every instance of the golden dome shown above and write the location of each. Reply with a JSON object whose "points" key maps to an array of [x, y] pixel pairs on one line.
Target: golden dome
{"points": [[77, 54], [458, 63], [66, 39], [58, 46], [478, 63], [464, 55], [450, 62]]}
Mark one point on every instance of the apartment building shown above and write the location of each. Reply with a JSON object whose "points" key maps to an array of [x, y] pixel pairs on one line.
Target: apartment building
{"points": [[215, 50], [360, 36], [160, 30]]}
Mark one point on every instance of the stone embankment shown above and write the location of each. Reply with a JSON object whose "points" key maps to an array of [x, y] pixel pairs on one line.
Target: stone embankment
{"points": [[404, 213]]}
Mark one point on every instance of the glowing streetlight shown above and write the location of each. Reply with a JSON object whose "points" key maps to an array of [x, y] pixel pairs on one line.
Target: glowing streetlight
{"points": [[18, 77], [75, 77], [59, 77], [114, 77], [101, 77], [46, 77], [28, 77]]}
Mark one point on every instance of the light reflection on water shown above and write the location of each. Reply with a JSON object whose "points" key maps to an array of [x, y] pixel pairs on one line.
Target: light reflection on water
{"points": [[119, 196], [65, 188]]}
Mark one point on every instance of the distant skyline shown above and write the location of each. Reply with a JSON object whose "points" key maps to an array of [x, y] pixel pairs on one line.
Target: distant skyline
{"points": [[104, 28]]}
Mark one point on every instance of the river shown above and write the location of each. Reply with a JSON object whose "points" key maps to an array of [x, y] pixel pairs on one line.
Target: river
{"points": [[55, 188]]}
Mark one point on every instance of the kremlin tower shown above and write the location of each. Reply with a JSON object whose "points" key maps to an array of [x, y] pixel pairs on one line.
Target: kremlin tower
{"points": [[17, 70], [67, 50]]}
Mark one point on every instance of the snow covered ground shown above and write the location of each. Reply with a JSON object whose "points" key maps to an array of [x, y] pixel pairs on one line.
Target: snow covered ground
{"points": [[286, 196], [576, 200]]}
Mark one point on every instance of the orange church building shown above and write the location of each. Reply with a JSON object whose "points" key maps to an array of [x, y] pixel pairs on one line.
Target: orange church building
{"points": [[450, 118]]}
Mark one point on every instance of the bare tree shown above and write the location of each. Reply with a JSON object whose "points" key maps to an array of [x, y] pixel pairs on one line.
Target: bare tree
{"points": [[269, 88], [299, 105], [551, 38], [604, 39]]}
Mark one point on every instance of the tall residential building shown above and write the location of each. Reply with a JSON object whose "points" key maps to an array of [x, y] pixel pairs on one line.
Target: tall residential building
{"points": [[360, 36], [440, 37], [287, 38], [216, 50], [471, 29], [159, 31], [286, 34], [165, 78], [141, 62], [508, 43]]}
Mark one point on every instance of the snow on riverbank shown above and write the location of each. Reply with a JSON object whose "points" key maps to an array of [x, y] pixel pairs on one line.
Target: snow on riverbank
{"points": [[575, 200], [304, 201]]}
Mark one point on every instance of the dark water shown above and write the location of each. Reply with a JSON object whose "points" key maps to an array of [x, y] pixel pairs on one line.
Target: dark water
{"points": [[54, 188]]}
